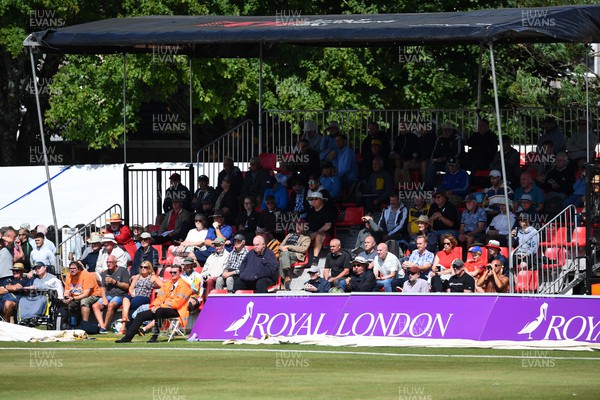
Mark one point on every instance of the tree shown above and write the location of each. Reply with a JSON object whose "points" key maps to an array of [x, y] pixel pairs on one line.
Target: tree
{"points": [[84, 93]]}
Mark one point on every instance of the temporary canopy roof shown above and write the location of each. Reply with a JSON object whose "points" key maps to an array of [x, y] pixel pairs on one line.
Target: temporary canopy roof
{"points": [[234, 36]]}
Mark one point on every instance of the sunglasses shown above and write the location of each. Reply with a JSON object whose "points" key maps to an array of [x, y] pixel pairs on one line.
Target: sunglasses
{"points": [[456, 267], [144, 267], [174, 272], [447, 244], [414, 273]]}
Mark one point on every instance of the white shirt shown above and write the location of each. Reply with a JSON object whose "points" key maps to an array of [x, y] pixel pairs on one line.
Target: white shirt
{"points": [[103, 256], [389, 265], [215, 264]]}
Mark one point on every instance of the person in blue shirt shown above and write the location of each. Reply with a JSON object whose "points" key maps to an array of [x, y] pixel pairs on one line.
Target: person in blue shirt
{"points": [[328, 141], [279, 191], [345, 161], [330, 181], [455, 182], [217, 230]]}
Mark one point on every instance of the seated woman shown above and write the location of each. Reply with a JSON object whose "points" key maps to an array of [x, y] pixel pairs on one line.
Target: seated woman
{"points": [[122, 234], [443, 261], [140, 290]]}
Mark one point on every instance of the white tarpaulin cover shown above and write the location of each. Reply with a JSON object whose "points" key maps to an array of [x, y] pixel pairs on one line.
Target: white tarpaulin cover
{"points": [[81, 192], [369, 341], [18, 333]]}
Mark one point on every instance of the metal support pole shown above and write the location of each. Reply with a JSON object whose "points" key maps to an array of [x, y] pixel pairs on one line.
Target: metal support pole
{"points": [[48, 180], [499, 126], [260, 90], [191, 119], [124, 110]]}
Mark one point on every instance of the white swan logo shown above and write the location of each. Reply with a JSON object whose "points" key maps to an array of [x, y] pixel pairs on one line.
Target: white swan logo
{"points": [[237, 324], [530, 327]]}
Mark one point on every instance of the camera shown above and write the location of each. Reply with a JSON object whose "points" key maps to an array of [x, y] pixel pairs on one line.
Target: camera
{"points": [[489, 267]]}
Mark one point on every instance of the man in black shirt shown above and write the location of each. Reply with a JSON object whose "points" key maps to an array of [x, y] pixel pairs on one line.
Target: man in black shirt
{"points": [[363, 279], [443, 215], [321, 220], [337, 264], [460, 282]]}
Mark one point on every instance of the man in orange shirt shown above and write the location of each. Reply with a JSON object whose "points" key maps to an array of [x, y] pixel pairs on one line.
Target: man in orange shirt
{"points": [[171, 302], [81, 290]]}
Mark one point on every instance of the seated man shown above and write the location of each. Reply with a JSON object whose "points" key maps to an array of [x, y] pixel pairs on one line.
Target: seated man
{"points": [[455, 182], [378, 187], [81, 290], [110, 248], [385, 267], [443, 215], [330, 181], [362, 279], [293, 249], [337, 264], [218, 230], [255, 181], [316, 284], [171, 302], [321, 220], [493, 248], [369, 246], [277, 188], [420, 258], [232, 265], [500, 227], [114, 285], [89, 258], [13, 290], [414, 283], [176, 224], [215, 264], [368, 230], [345, 162], [195, 280], [492, 280], [269, 217], [392, 224], [41, 253], [258, 270], [146, 252], [460, 281], [472, 222], [34, 305]]}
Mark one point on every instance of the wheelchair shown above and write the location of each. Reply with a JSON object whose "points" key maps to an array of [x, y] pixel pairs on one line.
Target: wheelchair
{"points": [[54, 315]]}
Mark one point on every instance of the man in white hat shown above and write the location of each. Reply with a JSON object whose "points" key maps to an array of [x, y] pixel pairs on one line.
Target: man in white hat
{"points": [[316, 284], [109, 247], [311, 134], [320, 220], [494, 195], [89, 258]]}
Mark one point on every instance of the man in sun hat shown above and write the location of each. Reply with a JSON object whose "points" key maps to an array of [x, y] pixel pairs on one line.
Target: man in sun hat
{"points": [[494, 253], [316, 284], [109, 247]]}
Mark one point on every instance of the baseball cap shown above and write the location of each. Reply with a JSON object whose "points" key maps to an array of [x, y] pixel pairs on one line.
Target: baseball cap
{"points": [[239, 236], [475, 249], [495, 173]]}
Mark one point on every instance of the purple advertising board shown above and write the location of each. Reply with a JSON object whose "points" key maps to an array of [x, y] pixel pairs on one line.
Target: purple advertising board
{"points": [[435, 316]]}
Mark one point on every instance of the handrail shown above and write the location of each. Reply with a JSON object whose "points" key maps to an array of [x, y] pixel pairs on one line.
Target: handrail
{"points": [[555, 236], [72, 247], [237, 143]]}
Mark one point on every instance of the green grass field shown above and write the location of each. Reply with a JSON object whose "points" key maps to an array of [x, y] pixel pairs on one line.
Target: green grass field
{"points": [[101, 369]]}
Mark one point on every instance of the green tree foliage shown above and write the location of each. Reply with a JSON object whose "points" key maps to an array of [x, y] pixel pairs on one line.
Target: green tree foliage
{"points": [[85, 101]]}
